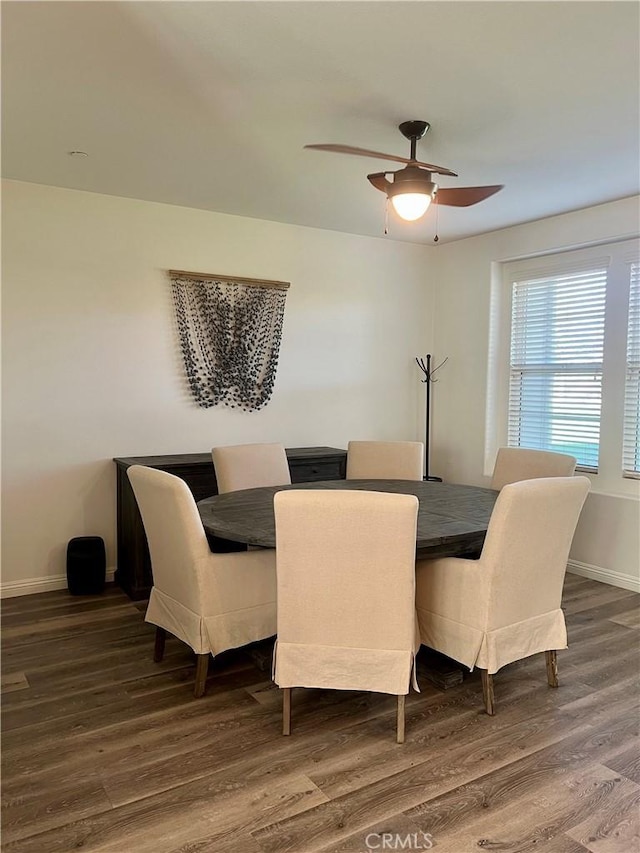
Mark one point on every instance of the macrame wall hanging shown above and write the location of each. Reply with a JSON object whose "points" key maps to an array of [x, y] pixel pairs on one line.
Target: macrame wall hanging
{"points": [[230, 331]]}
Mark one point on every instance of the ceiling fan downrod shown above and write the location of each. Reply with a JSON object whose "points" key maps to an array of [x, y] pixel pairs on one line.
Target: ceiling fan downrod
{"points": [[413, 131]]}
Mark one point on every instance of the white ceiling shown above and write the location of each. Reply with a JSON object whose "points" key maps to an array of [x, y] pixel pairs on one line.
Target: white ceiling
{"points": [[209, 104]]}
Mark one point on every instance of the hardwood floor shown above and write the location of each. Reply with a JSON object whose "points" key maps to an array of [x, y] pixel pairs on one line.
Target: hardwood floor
{"points": [[105, 750]]}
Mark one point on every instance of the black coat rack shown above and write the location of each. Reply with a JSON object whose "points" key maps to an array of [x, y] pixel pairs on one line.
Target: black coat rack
{"points": [[425, 367]]}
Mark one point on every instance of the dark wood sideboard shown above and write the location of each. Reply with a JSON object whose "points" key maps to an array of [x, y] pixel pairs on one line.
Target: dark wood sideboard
{"points": [[133, 573]]}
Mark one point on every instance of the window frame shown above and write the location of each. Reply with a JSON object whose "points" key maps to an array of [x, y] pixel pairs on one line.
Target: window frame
{"points": [[634, 279], [617, 256]]}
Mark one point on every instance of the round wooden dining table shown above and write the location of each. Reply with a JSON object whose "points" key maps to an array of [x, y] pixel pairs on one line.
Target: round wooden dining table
{"points": [[452, 519]]}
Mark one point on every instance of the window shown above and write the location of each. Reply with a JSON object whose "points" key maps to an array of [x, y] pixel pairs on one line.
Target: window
{"points": [[555, 372], [631, 429], [564, 360]]}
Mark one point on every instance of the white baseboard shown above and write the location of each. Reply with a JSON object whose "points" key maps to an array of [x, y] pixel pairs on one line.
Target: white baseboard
{"points": [[604, 575], [11, 589]]}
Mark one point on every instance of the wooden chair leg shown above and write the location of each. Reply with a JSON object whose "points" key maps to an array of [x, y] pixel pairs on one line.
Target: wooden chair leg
{"points": [[286, 711], [158, 651], [487, 691], [202, 667], [552, 668], [400, 720]]}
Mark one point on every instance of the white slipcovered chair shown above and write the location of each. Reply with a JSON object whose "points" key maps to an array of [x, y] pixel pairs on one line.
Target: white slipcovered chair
{"points": [[212, 602], [506, 605], [385, 460], [346, 593], [520, 463], [250, 466]]}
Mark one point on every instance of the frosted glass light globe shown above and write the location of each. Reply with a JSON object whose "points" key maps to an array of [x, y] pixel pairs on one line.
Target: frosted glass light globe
{"points": [[411, 206]]}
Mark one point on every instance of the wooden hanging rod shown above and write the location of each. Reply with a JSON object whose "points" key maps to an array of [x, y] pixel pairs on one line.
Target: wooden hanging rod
{"points": [[254, 282]]}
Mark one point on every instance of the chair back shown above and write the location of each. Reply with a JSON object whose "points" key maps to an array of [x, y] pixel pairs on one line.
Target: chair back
{"points": [[177, 542], [520, 463], [346, 589], [250, 466], [527, 546], [385, 460]]}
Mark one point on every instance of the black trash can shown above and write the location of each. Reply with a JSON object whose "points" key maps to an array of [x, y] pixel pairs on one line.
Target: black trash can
{"points": [[86, 565]]}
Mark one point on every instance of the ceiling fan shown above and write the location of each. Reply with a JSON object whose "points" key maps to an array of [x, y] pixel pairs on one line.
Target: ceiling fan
{"points": [[412, 189]]}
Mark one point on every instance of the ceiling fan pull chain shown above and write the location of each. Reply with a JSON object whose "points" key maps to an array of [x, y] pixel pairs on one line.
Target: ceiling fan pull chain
{"points": [[386, 216], [436, 238]]}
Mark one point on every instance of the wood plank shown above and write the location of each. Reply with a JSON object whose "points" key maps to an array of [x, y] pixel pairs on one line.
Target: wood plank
{"points": [[13, 681], [30, 813], [353, 811], [579, 600], [627, 763], [593, 632], [179, 816], [61, 625], [615, 826], [596, 704], [433, 729], [128, 703], [152, 729], [631, 618], [258, 736], [236, 843], [398, 830], [526, 821], [410, 833], [49, 651], [469, 818], [603, 610], [445, 769], [28, 612], [44, 601]]}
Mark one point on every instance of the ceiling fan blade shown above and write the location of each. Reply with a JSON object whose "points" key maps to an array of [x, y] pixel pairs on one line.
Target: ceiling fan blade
{"points": [[465, 196], [379, 181], [364, 152]]}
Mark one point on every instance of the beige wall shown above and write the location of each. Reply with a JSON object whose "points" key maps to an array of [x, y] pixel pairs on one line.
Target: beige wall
{"points": [[91, 368], [607, 544]]}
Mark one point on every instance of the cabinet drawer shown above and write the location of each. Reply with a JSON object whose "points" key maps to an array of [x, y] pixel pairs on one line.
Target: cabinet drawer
{"points": [[309, 472]]}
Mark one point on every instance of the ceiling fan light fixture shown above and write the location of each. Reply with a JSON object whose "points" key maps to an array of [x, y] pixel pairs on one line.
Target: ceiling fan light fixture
{"points": [[411, 193], [411, 206]]}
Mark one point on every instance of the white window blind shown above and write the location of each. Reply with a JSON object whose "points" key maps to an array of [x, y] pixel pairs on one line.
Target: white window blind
{"points": [[630, 447], [555, 382]]}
